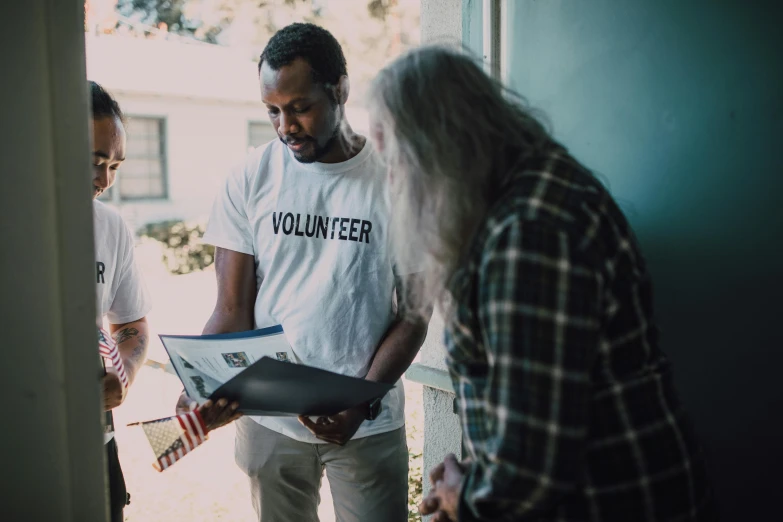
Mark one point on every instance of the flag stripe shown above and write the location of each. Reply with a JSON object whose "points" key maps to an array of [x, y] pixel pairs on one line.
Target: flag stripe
{"points": [[108, 349], [200, 426], [174, 437], [191, 436], [195, 425], [186, 438]]}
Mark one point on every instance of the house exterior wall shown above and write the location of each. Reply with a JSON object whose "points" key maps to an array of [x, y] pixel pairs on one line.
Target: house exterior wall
{"points": [[203, 140]]}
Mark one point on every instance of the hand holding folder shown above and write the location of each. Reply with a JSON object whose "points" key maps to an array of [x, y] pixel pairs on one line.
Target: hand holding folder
{"points": [[259, 372], [273, 388]]}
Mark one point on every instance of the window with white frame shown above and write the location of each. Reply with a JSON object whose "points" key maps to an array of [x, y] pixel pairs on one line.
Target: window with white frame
{"points": [[143, 173]]}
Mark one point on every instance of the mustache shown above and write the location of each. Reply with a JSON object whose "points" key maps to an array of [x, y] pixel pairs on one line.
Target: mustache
{"points": [[290, 140]]}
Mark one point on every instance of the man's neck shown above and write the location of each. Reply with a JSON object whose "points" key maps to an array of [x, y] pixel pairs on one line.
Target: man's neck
{"points": [[347, 145]]}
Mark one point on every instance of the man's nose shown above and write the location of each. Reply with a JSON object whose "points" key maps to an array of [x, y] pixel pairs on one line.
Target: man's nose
{"points": [[101, 179], [288, 124]]}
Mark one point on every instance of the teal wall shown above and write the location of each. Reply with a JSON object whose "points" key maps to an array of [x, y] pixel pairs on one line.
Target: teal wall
{"points": [[678, 106], [472, 25]]}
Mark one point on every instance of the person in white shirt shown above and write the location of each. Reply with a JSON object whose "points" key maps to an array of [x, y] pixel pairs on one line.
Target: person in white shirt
{"points": [[301, 230], [121, 296]]}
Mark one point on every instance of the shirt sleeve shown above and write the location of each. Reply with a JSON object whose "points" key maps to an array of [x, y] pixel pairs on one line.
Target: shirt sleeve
{"points": [[228, 225], [131, 300], [538, 309]]}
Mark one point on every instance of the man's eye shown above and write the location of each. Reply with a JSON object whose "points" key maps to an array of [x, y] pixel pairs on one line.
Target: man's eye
{"points": [[272, 112], [302, 110], [115, 167]]}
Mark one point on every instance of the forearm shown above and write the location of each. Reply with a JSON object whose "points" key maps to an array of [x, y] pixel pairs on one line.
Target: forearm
{"points": [[397, 350], [228, 320], [236, 282], [132, 342]]}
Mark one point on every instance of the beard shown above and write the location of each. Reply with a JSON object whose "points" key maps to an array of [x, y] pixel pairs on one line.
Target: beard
{"points": [[312, 152]]}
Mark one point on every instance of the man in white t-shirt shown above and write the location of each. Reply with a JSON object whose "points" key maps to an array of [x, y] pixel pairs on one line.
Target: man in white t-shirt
{"points": [[122, 297], [301, 235]]}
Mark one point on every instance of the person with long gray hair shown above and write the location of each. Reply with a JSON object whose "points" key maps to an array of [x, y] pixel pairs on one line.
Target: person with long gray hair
{"points": [[566, 400]]}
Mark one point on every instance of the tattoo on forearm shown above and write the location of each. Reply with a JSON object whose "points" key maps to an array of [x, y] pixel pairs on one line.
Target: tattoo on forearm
{"points": [[125, 334], [138, 352]]}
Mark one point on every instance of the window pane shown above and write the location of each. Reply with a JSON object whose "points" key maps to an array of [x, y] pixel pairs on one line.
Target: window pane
{"points": [[157, 189], [143, 173], [142, 167], [134, 168], [142, 126], [260, 133], [135, 187], [139, 147]]}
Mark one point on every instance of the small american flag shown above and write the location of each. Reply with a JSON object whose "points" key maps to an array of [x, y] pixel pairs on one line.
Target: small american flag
{"points": [[108, 350], [174, 437]]}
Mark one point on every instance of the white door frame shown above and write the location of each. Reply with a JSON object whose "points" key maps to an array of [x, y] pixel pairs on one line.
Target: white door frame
{"points": [[51, 444]]}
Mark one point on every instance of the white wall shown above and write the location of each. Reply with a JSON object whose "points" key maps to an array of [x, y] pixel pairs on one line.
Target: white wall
{"points": [[441, 21]]}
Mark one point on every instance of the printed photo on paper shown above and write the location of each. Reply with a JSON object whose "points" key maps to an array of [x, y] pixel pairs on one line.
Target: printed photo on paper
{"points": [[236, 360], [205, 363], [186, 364], [201, 386]]}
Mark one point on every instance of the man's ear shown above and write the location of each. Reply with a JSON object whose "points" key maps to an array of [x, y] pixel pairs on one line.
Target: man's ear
{"points": [[342, 90]]}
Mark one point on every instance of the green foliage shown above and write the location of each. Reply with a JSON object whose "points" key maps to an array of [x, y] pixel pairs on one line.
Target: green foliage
{"points": [[170, 12], [380, 9], [370, 31], [183, 250]]}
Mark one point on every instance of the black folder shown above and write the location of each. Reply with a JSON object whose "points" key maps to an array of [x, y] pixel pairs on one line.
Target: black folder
{"points": [[275, 388]]}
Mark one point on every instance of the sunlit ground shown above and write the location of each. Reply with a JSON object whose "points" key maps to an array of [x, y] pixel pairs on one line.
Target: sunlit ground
{"points": [[206, 485]]}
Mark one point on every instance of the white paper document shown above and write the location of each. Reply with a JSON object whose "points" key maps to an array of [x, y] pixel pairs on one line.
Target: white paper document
{"points": [[204, 362]]}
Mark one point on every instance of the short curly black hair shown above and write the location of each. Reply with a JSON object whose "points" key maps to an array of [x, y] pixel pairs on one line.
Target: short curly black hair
{"points": [[103, 104], [314, 44]]}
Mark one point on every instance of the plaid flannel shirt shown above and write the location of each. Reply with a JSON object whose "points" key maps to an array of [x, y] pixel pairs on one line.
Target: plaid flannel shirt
{"points": [[567, 404]]}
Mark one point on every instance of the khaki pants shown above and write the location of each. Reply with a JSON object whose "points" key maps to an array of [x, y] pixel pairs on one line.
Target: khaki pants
{"points": [[368, 476]]}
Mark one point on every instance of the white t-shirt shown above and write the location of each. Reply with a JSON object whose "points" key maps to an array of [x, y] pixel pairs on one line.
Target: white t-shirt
{"points": [[121, 294], [319, 235]]}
